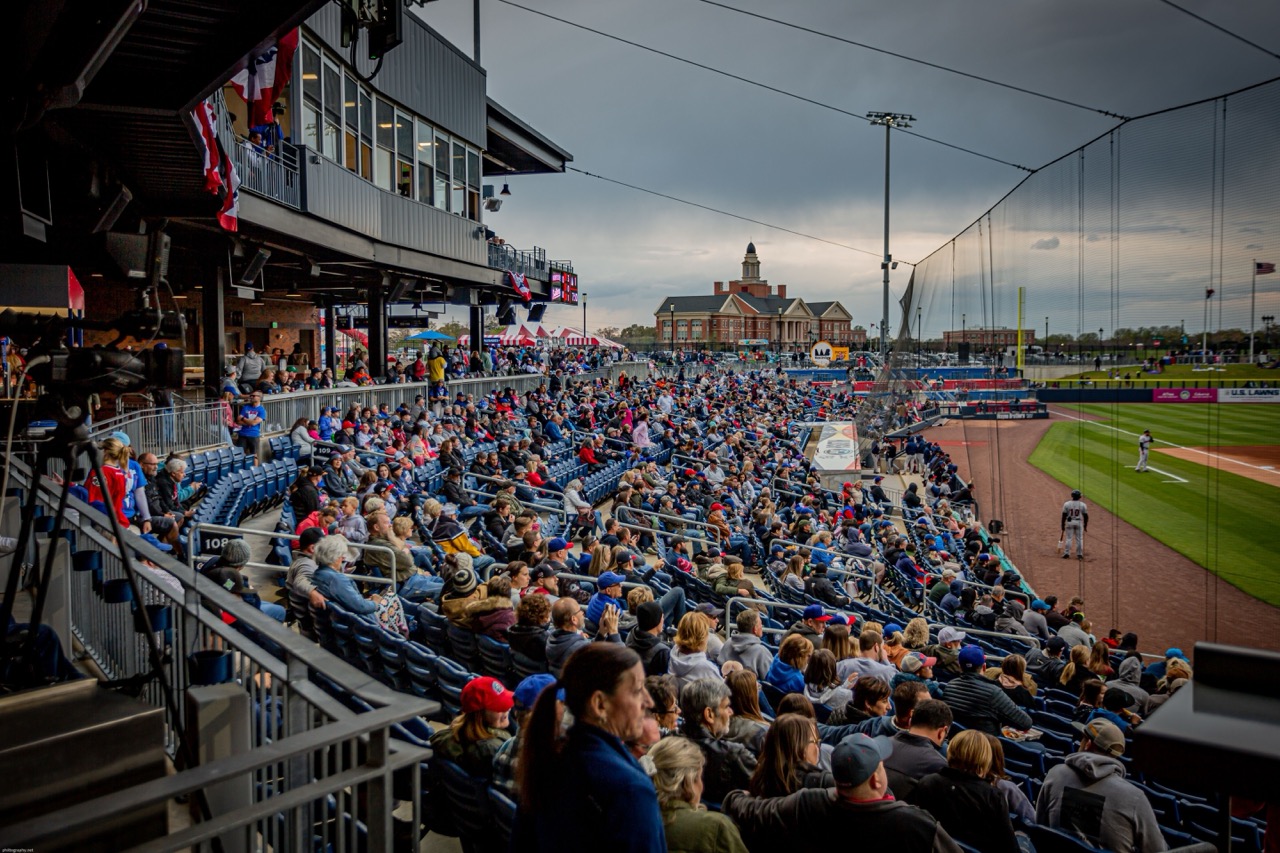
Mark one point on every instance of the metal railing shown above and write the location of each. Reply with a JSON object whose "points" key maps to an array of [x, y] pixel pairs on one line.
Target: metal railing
{"points": [[316, 769], [192, 427], [274, 175], [531, 262], [160, 431], [207, 527]]}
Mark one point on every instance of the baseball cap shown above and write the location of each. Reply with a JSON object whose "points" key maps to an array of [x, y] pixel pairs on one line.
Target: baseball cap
{"points": [[648, 615], [948, 573], [815, 611], [528, 691], [1117, 700], [1056, 644], [309, 537], [1106, 736], [915, 661], [839, 619], [608, 579], [122, 437], [709, 609], [878, 479], [1038, 604], [715, 507], [950, 635], [486, 694], [857, 757], [971, 657], [546, 570], [891, 629], [557, 544]]}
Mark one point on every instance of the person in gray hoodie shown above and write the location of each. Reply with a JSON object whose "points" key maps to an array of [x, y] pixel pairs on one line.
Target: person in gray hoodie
{"points": [[568, 617], [1102, 806], [1127, 680], [746, 647]]}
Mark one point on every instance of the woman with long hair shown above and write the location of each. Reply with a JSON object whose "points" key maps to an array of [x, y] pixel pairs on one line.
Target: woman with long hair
{"points": [[835, 639], [748, 724], [789, 759], [601, 560], [1014, 796], [822, 685], [963, 799], [1100, 661], [475, 735], [793, 574], [1090, 700], [589, 773], [676, 764], [1077, 671], [1012, 677]]}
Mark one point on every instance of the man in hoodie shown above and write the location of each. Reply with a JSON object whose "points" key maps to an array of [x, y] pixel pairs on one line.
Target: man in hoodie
{"points": [[568, 616], [1033, 620], [746, 647], [646, 639], [947, 651], [1127, 680], [1089, 797], [813, 622]]}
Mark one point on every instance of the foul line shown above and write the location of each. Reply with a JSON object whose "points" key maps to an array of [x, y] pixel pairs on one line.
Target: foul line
{"points": [[1170, 443]]}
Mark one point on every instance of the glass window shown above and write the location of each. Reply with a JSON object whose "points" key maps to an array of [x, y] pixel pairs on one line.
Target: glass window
{"points": [[473, 168], [332, 92], [310, 126], [404, 135], [311, 73], [458, 203], [330, 141], [366, 116], [386, 126], [441, 193], [426, 174]]}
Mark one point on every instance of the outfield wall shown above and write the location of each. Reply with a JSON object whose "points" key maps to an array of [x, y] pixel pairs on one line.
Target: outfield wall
{"points": [[1158, 395]]}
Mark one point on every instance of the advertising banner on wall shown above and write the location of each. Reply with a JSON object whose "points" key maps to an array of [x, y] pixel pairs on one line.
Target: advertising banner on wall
{"points": [[837, 448], [1184, 395], [1249, 395]]}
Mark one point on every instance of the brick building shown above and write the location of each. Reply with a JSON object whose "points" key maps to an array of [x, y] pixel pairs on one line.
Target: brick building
{"points": [[988, 338], [750, 308]]}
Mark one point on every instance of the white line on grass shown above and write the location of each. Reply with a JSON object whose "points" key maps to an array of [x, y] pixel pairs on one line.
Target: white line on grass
{"points": [[1162, 441]]}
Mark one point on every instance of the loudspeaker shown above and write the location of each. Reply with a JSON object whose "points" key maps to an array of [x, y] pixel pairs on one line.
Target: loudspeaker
{"points": [[506, 314], [963, 352], [536, 311], [112, 209], [250, 274]]}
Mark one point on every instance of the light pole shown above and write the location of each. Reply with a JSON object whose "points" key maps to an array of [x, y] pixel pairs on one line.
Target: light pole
{"points": [[919, 336], [780, 332], [890, 121], [1046, 335], [583, 297], [1100, 334], [964, 335], [672, 309]]}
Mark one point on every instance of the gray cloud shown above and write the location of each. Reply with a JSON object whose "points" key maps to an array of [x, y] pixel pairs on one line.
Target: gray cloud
{"points": [[1046, 243], [639, 118]]}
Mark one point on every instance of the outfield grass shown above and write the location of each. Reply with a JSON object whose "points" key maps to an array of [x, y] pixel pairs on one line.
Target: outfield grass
{"points": [[1217, 519], [1228, 373]]}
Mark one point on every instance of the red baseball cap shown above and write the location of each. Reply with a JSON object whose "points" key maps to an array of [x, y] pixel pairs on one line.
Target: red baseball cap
{"points": [[348, 425], [486, 694], [715, 507]]}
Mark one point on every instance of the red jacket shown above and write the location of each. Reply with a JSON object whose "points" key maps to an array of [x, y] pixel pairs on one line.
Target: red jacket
{"points": [[588, 455], [114, 497]]}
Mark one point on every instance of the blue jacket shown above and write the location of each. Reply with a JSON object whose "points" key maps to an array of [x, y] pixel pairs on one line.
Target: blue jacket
{"points": [[605, 794], [552, 431], [336, 586], [595, 607], [785, 677]]}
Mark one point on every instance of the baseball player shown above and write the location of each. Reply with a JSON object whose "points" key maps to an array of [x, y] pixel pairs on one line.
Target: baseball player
{"points": [[1144, 446], [1075, 521]]}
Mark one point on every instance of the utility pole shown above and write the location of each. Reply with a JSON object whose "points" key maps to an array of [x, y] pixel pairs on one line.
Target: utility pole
{"points": [[890, 121]]}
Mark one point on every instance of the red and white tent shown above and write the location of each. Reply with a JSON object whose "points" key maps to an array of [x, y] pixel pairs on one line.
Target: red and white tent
{"points": [[524, 334], [571, 337]]}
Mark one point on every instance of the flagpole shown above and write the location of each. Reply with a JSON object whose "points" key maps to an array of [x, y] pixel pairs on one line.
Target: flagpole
{"points": [[1253, 296], [1204, 335]]}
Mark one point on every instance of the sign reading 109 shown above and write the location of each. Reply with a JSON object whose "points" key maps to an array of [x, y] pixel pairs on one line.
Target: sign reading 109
{"points": [[820, 353]]}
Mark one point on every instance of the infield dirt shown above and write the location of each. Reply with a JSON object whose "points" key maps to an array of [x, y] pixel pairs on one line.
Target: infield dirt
{"points": [[1128, 580]]}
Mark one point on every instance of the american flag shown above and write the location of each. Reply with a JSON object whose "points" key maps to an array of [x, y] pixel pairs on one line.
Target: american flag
{"points": [[1262, 267]]}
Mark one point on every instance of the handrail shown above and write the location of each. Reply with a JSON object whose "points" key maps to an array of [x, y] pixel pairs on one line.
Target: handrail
{"points": [[489, 479], [669, 533], [861, 561], [680, 519], [544, 507], [241, 531]]}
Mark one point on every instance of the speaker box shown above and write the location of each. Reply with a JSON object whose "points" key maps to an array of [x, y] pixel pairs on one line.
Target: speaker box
{"points": [[536, 311], [963, 352]]}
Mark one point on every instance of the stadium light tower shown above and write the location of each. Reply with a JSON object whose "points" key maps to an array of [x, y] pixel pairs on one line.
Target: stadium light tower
{"points": [[890, 121]]}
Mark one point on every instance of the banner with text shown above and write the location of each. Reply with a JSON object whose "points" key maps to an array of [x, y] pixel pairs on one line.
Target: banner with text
{"points": [[837, 448], [1249, 395], [1184, 395]]}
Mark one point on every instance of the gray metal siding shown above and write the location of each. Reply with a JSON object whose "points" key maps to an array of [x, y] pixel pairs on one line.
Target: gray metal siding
{"points": [[425, 74], [343, 198]]}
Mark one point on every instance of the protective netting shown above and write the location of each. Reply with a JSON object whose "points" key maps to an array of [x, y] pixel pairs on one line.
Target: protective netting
{"points": [[1118, 242], [1134, 254]]}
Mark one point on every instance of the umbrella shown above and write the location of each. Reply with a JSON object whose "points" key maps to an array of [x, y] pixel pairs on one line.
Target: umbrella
{"points": [[429, 335]]}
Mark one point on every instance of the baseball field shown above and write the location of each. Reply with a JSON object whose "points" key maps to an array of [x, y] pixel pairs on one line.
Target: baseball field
{"points": [[1212, 490]]}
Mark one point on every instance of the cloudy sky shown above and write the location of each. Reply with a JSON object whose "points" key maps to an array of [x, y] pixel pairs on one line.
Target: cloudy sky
{"points": [[672, 128]]}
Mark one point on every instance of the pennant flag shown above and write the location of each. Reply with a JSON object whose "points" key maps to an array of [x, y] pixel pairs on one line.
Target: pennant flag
{"points": [[203, 115], [229, 214], [520, 285], [264, 77], [1262, 268]]}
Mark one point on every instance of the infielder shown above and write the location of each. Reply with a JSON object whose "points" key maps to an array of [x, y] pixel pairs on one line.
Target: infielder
{"points": [[1075, 521], [1144, 446]]}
